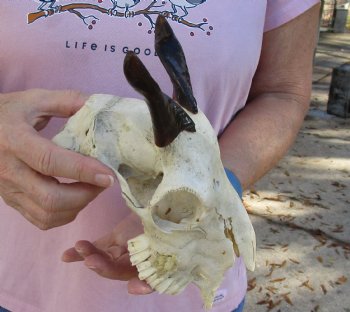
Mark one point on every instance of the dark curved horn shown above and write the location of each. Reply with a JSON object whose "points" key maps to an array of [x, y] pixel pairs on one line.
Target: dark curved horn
{"points": [[173, 59], [168, 118]]}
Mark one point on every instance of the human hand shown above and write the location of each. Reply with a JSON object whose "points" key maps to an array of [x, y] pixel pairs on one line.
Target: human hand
{"points": [[109, 257], [29, 162]]}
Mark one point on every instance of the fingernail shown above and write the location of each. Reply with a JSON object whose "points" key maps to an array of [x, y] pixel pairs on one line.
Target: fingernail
{"points": [[104, 180], [146, 289], [80, 252], [92, 267]]}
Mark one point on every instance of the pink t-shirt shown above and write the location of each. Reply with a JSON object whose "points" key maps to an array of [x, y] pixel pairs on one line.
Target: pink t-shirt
{"points": [[83, 48]]}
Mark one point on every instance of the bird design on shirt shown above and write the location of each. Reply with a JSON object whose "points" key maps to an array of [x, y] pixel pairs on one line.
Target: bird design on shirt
{"points": [[184, 5], [46, 5], [124, 4], [176, 10]]}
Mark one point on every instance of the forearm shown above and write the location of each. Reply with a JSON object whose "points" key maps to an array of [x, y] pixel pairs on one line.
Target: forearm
{"points": [[279, 98], [261, 134]]}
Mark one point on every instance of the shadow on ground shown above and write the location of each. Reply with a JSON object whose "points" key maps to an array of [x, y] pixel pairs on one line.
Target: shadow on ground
{"points": [[301, 216], [301, 209]]}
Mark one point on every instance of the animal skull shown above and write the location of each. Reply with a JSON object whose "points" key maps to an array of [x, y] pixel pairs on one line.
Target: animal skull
{"points": [[167, 160]]}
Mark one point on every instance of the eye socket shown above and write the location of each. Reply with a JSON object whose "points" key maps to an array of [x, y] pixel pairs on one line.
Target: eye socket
{"points": [[141, 186], [127, 171], [179, 207]]}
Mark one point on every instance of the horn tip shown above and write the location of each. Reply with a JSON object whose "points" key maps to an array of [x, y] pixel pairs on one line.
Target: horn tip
{"points": [[161, 20], [128, 57], [162, 28]]}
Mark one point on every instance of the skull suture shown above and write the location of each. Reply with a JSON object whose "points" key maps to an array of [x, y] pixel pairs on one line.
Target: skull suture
{"points": [[167, 160]]}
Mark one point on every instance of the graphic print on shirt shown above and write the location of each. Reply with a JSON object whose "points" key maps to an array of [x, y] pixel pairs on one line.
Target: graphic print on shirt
{"points": [[178, 11], [46, 4]]}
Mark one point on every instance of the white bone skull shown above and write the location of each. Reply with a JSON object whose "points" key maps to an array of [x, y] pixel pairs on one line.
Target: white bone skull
{"points": [[194, 222]]}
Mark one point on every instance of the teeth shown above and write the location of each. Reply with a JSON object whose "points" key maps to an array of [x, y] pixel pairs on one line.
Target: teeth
{"points": [[152, 278], [164, 285], [177, 286], [138, 244], [146, 273], [156, 282], [140, 257], [144, 266]]}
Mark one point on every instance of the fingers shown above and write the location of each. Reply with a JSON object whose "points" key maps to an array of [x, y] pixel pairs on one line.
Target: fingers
{"points": [[29, 162], [109, 257], [52, 160], [36, 106], [51, 103], [61, 207], [102, 262], [119, 269], [20, 111], [137, 287], [80, 251], [71, 255], [53, 210], [86, 249], [40, 199]]}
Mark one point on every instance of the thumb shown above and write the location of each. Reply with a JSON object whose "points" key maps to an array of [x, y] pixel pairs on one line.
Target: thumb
{"points": [[137, 287], [46, 103]]}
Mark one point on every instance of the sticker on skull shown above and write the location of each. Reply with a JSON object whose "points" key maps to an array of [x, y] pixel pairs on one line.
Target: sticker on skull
{"points": [[195, 224]]}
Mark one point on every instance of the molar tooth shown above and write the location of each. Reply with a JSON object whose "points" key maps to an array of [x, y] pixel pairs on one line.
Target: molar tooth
{"points": [[140, 257], [156, 282], [178, 286], [144, 266], [164, 285], [146, 273], [172, 290], [150, 279], [138, 244]]}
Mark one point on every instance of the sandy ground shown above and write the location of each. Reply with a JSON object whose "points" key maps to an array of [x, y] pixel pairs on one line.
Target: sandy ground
{"points": [[301, 209]]}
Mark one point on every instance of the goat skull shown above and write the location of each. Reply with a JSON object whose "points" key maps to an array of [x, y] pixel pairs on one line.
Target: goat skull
{"points": [[167, 160]]}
